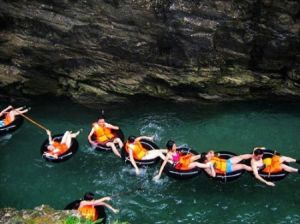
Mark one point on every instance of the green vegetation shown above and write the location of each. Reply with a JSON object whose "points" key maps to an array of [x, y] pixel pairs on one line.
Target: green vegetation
{"points": [[77, 220]]}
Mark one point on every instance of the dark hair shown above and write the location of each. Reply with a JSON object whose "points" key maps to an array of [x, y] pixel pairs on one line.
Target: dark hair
{"points": [[203, 157], [101, 115], [131, 138], [88, 196], [170, 144], [258, 152]]}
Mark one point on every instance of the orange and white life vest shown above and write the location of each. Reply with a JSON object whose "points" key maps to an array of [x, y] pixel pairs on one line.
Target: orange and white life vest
{"points": [[59, 148], [273, 165], [138, 150], [184, 162], [89, 212], [103, 134], [7, 119], [219, 164]]}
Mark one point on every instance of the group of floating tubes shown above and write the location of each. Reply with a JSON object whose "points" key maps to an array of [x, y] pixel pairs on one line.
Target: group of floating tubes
{"points": [[169, 169]]}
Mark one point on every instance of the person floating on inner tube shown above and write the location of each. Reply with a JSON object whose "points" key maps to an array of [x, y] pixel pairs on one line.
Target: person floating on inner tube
{"points": [[104, 135], [274, 165], [180, 162], [55, 149], [224, 166], [87, 206], [10, 114], [136, 151]]}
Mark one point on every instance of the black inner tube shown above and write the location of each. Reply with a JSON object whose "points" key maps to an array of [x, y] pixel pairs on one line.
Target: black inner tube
{"points": [[227, 177], [102, 147], [147, 144], [74, 205], [171, 170], [14, 125], [272, 176], [68, 154]]}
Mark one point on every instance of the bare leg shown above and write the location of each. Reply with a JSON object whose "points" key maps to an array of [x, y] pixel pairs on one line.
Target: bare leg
{"points": [[239, 166], [237, 159], [289, 169], [119, 142], [152, 154], [67, 139], [287, 159], [14, 113], [114, 149], [74, 135]]}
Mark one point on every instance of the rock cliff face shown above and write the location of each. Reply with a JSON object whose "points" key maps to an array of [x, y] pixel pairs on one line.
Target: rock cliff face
{"points": [[108, 50]]}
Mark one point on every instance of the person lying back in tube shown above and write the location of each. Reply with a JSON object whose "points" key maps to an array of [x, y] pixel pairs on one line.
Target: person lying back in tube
{"points": [[136, 151], [224, 166], [10, 114], [275, 165], [104, 135], [183, 162], [87, 206], [55, 148]]}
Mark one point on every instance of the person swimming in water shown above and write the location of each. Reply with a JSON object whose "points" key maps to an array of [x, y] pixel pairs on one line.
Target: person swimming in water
{"points": [[89, 207]]}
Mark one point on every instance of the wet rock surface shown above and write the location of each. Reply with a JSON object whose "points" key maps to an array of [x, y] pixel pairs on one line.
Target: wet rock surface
{"points": [[185, 50], [40, 215]]}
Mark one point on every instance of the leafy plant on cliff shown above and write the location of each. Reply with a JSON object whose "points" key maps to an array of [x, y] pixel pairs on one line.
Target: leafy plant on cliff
{"points": [[76, 220]]}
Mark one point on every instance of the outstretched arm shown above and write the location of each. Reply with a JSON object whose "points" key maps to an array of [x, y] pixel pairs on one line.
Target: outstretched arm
{"points": [[137, 171], [90, 136], [95, 202], [111, 126], [110, 207], [210, 170], [257, 176], [162, 167], [49, 137]]}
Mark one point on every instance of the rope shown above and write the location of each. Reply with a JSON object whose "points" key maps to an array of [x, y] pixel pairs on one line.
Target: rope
{"points": [[34, 122]]}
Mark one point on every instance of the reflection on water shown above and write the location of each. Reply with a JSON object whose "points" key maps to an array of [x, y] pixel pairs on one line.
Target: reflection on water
{"points": [[27, 180]]}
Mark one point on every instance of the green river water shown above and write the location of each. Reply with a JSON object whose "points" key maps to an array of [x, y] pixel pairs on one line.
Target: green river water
{"points": [[27, 180]]}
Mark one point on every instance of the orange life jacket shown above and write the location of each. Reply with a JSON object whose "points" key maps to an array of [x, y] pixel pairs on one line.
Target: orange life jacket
{"points": [[275, 165], [7, 119], [89, 212], [62, 148], [138, 150], [184, 162], [103, 134], [219, 164]]}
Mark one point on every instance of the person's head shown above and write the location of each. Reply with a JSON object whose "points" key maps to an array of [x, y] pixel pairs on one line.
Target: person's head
{"points": [[206, 156], [171, 145], [131, 139], [258, 153], [88, 196], [101, 121]]}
